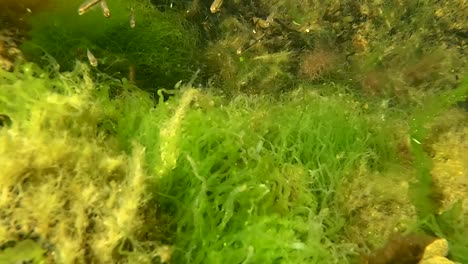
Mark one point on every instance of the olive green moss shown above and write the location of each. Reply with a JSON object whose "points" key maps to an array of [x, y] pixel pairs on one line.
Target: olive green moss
{"points": [[450, 223], [162, 48], [399, 50], [68, 193], [419, 132]]}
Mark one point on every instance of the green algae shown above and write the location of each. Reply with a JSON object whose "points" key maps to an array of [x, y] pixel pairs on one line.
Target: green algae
{"points": [[267, 164], [55, 156], [26, 250], [160, 49], [228, 182]]}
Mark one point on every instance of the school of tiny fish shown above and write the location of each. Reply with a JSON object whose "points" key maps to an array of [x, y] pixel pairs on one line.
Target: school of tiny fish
{"points": [[86, 6], [89, 4]]}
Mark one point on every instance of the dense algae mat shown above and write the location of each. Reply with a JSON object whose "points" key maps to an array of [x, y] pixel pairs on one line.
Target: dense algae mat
{"points": [[63, 183], [251, 180], [95, 171]]}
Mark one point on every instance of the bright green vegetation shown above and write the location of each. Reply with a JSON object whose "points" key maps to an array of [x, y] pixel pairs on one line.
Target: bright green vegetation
{"points": [[252, 179], [224, 184], [246, 178]]}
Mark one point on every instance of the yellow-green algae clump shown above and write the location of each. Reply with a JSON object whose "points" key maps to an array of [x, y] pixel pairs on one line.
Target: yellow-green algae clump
{"points": [[63, 183]]}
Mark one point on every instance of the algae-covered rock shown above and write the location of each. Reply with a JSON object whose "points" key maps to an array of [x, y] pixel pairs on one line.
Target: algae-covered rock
{"points": [[436, 260], [436, 252], [438, 247], [449, 148], [9, 51]]}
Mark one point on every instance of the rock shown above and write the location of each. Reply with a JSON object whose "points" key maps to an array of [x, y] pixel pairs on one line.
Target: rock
{"points": [[436, 252], [438, 247], [436, 260]]}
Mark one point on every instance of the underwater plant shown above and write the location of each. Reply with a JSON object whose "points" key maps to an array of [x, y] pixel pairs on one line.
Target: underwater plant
{"points": [[65, 185], [268, 172], [444, 223]]}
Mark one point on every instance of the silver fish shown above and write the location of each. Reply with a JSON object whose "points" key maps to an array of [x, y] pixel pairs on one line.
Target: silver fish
{"points": [[132, 18], [105, 9], [92, 60], [131, 74], [216, 6], [86, 6]]}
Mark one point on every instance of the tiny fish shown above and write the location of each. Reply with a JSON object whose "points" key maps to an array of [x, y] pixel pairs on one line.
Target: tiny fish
{"points": [[249, 45], [105, 9], [92, 60], [216, 6], [86, 6], [132, 18], [261, 22], [131, 74]]}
